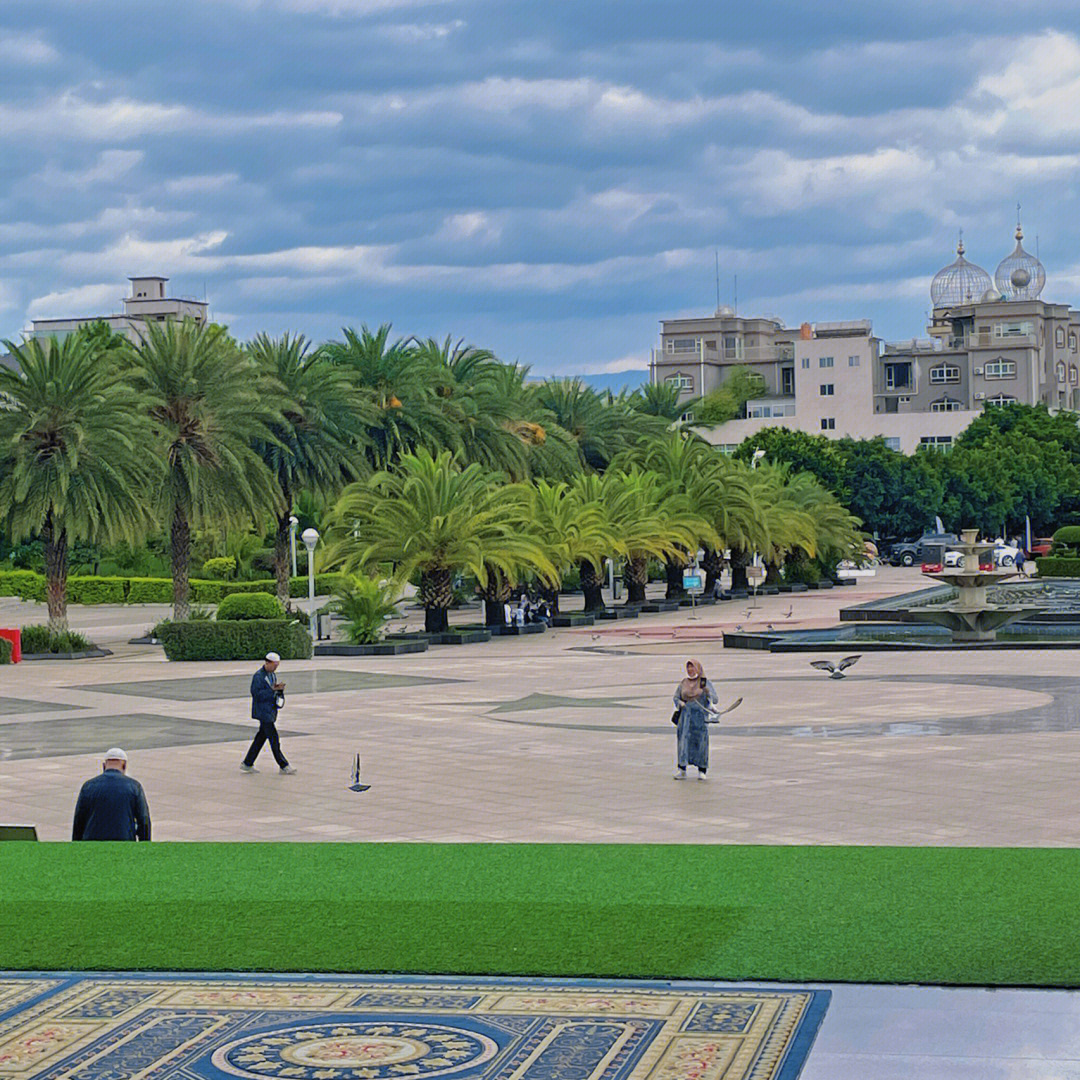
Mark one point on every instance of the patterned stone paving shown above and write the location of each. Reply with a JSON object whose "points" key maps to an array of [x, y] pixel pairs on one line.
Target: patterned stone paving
{"points": [[181, 1027]]}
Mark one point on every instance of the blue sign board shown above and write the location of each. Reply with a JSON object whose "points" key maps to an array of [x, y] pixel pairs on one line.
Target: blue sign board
{"points": [[691, 581]]}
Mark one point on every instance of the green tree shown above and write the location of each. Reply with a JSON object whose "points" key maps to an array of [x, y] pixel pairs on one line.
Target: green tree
{"points": [[318, 437], [729, 400], [433, 517], [73, 465], [661, 399], [209, 407]]}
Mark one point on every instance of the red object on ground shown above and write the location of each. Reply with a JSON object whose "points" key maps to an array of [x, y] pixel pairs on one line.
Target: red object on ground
{"points": [[932, 568], [1041, 545], [15, 637]]}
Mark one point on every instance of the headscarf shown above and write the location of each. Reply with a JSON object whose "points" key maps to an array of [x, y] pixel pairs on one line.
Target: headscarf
{"points": [[690, 687]]}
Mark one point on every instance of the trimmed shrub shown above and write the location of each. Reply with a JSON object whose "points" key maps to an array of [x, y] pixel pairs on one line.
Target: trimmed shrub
{"points": [[231, 588], [249, 606], [325, 585], [96, 590], [236, 639], [366, 604], [40, 639], [220, 568], [149, 591], [207, 592], [25, 584], [5, 650], [1058, 566]]}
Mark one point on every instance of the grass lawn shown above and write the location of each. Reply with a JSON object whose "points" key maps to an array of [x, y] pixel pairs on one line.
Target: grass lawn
{"points": [[1007, 916]]}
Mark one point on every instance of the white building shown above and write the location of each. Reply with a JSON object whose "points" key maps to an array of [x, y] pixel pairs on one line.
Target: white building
{"points": [[147, 303], [992, 341]]}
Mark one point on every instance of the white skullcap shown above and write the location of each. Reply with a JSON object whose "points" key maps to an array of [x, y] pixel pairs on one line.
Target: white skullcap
{"points": [[273, 658], [115, 754]]}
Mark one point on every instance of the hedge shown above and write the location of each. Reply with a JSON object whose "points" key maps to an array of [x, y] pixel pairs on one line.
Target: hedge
{"points": [[1068, 534], [28, 585], [249, 606], [5, 650], [247, 639], [1058, 566]]}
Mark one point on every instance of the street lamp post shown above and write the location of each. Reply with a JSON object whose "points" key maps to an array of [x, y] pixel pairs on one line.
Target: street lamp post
{"points": [[311, 538], [758, 578], [293, 522]]}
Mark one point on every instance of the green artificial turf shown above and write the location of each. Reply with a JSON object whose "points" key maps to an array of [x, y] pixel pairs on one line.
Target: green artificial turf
{"points": [[1005, 916]]}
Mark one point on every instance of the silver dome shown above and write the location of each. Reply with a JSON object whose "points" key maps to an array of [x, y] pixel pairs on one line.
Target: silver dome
{"points": [[960, 282], [1020, 276]]}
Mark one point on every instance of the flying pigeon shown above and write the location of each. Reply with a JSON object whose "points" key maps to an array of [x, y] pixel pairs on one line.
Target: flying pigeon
{"points": [[715, 714], [836, 671], [791, 608]]}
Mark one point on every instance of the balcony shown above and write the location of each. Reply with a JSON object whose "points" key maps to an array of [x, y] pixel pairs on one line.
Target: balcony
{"points": [[1001, 341]]}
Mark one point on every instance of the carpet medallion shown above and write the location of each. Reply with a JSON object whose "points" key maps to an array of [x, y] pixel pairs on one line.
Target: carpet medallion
{"points": [[321, 1027]]}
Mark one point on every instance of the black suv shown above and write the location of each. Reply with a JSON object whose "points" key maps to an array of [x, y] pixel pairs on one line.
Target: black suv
{"points": [[910, 552]]}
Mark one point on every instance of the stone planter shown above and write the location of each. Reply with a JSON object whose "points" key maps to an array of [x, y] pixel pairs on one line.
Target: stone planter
{"points": [[460, 637], [381, 648], [619, 613], [86, 654], [575, 619]]}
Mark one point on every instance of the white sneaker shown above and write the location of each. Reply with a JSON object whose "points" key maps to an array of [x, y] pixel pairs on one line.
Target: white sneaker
{"points": [[288, 770], [247, 768], [701, 775], [680, 774]]}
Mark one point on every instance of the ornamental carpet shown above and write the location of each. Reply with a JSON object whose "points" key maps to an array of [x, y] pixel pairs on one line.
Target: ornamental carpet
{"points": [[63, 1026]]}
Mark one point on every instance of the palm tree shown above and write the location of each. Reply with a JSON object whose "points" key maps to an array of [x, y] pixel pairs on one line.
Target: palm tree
{"points": [[209, 405], [318, 438], [575, 529], [661, 399], [73, 434], [405, 390], [433, 517]]}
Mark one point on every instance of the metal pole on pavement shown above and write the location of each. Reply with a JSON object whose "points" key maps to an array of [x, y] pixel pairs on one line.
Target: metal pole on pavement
{"points": [[293, 522], [311, 538]]}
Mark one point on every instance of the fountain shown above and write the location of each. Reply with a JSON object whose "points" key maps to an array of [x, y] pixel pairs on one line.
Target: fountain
{"points": [[971, 617]]}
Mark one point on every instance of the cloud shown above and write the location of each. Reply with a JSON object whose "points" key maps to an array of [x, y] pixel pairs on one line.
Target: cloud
{"points": [[202, 184], [25, 50], [108, 167], [340, 9], [101, 299], [124, 119], [418, 33]]}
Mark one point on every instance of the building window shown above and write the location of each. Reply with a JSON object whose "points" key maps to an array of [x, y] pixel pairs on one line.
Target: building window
{"points": [[941, 444], [1072, 343], [680, 381], [827, 389], [806, 361], [852, 361], [945, 373], [945, 404], [1059, 370], [1012, 329], [825, 361], [687, 418], [1000, 369], [1059, 337], [1073, 373], [787, 381], [684, 345], [828, 423], [1000, 399], [898, 376], [893, 442]]}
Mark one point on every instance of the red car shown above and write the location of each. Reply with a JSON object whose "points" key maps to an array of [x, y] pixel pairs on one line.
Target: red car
{"points": [[1041, 545]]}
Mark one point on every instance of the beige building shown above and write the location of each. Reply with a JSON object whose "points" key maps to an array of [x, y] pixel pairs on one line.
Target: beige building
{"points": [[991, 342], [147, 303]]}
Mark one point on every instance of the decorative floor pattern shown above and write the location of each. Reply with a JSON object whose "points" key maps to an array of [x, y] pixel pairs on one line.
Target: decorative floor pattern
{"points": [[319, 1027]]}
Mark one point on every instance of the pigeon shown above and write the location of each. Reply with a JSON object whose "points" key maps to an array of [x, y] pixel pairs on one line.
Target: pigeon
{"points": [[791, 608], [738, 626], [717, 713], [748, 612], [768, 626], [836, 671], [675, 631], [596, 637]]}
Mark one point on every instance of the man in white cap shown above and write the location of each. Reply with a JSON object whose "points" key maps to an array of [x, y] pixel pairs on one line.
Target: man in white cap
{"points": [[267, 696], [112, 806]]}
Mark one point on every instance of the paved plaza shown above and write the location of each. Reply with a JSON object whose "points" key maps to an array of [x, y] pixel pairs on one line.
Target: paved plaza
{"points": [[566, 736]]}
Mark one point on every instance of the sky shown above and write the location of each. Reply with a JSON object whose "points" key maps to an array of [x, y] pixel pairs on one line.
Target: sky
{"points": [[547, 180]]}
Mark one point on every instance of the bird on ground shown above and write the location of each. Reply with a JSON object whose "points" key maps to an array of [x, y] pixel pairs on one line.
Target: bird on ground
{"points": [[674, 631], [768, 626], [836, 671], [738, 626], [596, 637], [748, 612], [637, 633], [791, 608]]}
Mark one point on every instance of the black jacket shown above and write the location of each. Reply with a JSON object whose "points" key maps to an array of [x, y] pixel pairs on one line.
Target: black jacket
{"points": [[263, 697], [111, 806]]}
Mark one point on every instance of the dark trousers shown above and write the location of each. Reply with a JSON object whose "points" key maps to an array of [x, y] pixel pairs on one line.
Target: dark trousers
{"points": [[267, 733]]}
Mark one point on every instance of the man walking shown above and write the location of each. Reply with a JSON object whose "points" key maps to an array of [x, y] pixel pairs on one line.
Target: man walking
{"points": [[112, 806], [267, 696]]}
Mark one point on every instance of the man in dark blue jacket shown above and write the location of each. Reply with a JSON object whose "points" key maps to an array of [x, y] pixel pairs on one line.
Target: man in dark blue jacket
{"points": [[267, 696], [112, 806]]}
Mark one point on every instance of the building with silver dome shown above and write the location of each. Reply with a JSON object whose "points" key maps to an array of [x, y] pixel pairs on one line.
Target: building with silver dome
{"points": [[990, 342]]}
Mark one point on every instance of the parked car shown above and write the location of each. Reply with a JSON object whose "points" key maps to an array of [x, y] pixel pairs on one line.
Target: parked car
{"points": [[910, 552], [1041, 545], [1003, 555]]}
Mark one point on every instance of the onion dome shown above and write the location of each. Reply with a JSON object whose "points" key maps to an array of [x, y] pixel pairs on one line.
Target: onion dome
{"points": [[960, 282], [1020, 276]]}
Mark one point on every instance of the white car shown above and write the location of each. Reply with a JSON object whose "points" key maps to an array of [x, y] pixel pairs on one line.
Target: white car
{"points": [[1005, 555]]}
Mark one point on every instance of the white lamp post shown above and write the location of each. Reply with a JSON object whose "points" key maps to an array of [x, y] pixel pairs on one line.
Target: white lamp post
{"points": [[311, 538], [293, 522], [758, 455]]}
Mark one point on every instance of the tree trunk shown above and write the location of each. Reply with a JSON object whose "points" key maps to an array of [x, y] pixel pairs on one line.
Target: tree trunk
{"points": [[740, 560], [551, 594], [181, 557], [436, 594], [495, 594], [637, 577], [56, 568], [772, 574], [281, 558], [714, 567], [673, 570], [591, 587]]}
